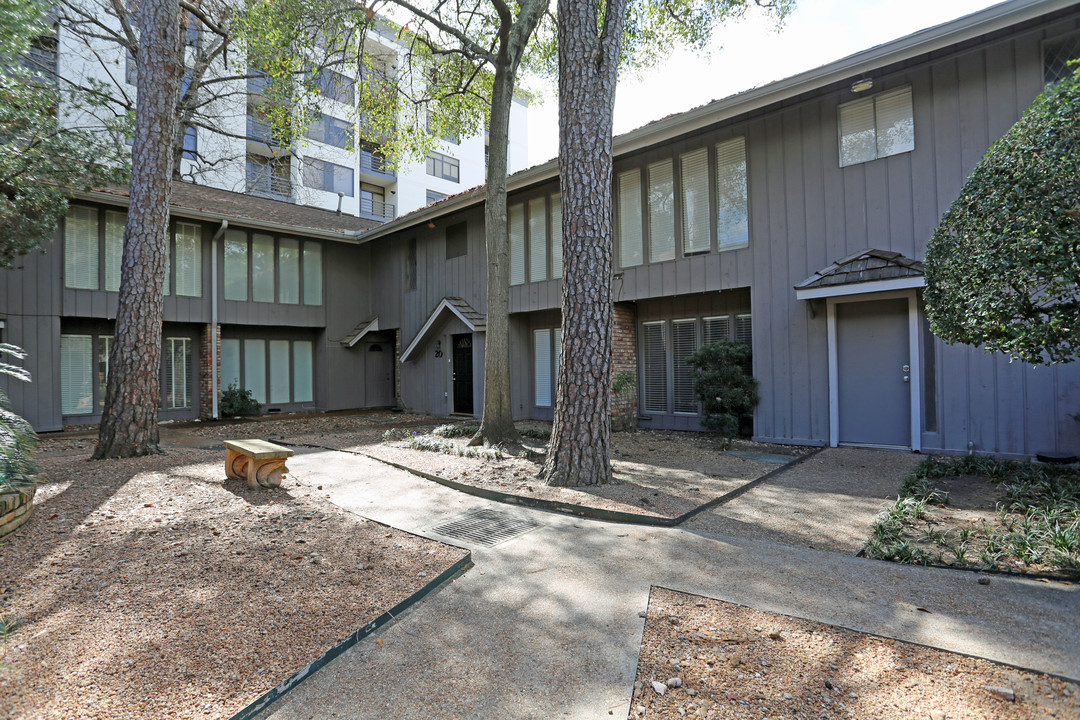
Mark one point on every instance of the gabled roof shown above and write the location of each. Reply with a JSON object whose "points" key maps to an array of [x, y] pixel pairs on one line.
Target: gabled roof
{"points": [[455, 306], [868, 270], [992, 19], [369, 325]]}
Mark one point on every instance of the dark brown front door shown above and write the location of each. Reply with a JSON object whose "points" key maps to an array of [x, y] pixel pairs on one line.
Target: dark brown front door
{"points": [[463, 390]]}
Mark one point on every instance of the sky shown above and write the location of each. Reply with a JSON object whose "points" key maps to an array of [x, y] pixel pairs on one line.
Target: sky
{"points": [[751, 53]]}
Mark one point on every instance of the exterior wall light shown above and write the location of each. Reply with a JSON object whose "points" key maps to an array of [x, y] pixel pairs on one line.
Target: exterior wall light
{"points": [[862, 85]]}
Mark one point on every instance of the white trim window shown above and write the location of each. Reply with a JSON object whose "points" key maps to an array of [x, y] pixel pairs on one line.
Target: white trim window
{"points": [[630, 238], [876, 127]]}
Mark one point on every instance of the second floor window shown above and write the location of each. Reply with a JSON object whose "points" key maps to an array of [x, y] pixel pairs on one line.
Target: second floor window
{"points": [[335, 86], [876, 127], [283, 269], [443, 166], [1056, 56]]}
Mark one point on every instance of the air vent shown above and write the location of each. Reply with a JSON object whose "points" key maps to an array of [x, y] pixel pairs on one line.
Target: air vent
{"points": [[485, 526]]}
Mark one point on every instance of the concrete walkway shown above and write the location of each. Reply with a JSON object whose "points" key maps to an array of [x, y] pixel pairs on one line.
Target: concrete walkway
{"points": [[547, 626]]}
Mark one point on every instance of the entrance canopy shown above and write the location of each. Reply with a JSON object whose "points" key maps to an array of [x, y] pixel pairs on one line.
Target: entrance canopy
{"points": [[454, 306], [358, 332], [866, 271]]}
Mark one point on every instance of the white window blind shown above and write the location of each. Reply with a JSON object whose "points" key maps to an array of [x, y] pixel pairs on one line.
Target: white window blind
{"points": [[177, 378], [661, 211], [717, 328], [894, 122], [188, 259], [694, 169], [81, 248], [235, 265], [104, 349], [655, 366], [313, 285], [76, 374], [743, 329], [630, 236], [302, 371], [516, 229], [556, 341], [537, 240], [733, 228], [114, 247], [288, 271], [262, 268], [556, 236], [279, 371], [683, 344], [230, 363], [876, 127], [542, 367], [255, 369]]}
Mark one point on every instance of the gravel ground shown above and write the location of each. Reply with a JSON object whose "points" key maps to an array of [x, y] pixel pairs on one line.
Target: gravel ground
{"points": [[827, 502], [718, 660], [152, 587]]}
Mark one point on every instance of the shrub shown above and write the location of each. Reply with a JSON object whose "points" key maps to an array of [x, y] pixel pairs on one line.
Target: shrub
{"points": [[723, 382], [236, 402], [17, 438]]}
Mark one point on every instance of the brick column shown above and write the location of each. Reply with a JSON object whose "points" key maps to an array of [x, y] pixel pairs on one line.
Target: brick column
{"points": [[624, 405], [206, 377]]}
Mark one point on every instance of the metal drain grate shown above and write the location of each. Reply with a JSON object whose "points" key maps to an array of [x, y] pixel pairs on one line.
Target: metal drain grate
{"points": [[485, 526]]}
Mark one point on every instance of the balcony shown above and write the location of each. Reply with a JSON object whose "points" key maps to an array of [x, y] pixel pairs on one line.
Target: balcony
{"points": [[262, 184], [260, 131], [376, 164], [376, 208]]}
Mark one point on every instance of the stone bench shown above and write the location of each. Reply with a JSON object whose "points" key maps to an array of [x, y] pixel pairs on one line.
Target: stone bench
{"points": [[257, 461]]}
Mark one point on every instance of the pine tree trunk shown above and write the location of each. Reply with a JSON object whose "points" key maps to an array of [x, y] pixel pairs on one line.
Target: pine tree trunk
{"points": [[588, 63], [129, 423]]}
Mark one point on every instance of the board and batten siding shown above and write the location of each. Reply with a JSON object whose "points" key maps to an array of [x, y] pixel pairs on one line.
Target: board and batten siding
{"points": [[806, 212]]}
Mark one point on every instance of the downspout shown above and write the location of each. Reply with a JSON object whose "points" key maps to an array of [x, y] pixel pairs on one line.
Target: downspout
{"points": [[214, 319]]}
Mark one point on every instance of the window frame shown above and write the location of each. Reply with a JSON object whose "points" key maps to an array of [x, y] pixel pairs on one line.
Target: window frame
{"points": [[874, 100], [438, 163]]}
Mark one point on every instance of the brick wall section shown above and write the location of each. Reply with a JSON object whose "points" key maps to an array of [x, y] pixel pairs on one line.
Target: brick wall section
{"points": [[206, 378], [624, 406]]}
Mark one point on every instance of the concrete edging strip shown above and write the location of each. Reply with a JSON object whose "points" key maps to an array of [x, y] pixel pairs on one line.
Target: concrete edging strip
{"points": [[290, 683], [578, 510]]}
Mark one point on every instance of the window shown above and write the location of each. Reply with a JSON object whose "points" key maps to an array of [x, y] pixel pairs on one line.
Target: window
{"points": [[269, 178], [191, 143], [630, 238], [104, 350], [335, 86], [277, 371], [457, 241], [236, 265], [177, 385], [262, 268], [538, 239], [664, 363], [76, 374], [373, 201], [443, 166], [684, 342], [327, 176], [114, 247], [661, 212], [313, 273], [876, 127], [732, 216], [1056, 56], [556, 236], [410, 265], [433, 196], [188, 241], [81, 248], [694, 169], [654, 366], [289, 271], [332, 131], [516, 229], [546, 348]]}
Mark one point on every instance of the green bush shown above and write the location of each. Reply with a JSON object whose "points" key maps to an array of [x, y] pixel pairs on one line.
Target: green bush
{"points": [[236, 402], [723, 382], [17, 438]]}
